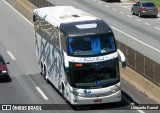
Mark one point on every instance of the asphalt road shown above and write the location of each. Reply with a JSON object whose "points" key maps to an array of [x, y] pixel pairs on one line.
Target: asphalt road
{"points": [[26, 85], [142, 34]]}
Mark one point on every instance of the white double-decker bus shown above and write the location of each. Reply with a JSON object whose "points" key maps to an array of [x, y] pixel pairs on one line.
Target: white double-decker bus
{"points": [[77, 53]]}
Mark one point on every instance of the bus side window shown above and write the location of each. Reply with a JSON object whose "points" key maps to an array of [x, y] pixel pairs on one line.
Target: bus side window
{"points": [[63, 41]]}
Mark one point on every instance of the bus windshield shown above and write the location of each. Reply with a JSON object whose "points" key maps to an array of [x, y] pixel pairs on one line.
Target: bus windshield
{"points": [[92, 75], [91, 45]]}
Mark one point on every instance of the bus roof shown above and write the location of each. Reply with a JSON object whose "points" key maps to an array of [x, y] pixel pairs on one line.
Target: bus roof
{"points": [[57, 15]]}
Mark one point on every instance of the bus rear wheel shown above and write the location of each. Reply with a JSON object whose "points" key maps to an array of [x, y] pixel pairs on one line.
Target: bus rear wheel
{"points": [[41, 69]]}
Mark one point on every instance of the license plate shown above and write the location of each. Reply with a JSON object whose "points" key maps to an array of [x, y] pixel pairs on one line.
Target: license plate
{"points": [[150, 10], [97, 100]]}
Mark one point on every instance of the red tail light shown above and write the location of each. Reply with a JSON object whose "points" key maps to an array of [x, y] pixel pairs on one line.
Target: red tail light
{"points": [[143, 9]]}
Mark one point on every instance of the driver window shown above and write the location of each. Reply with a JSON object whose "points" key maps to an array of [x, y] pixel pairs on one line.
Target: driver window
{"points": [[138, 4]]}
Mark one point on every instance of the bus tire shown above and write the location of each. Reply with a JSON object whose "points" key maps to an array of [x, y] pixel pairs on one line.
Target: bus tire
{"points": [[63, 93], [139, 14], [42, 72]]}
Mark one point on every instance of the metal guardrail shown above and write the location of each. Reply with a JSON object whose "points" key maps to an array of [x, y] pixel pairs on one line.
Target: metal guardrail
{"points": [[135, 60]]}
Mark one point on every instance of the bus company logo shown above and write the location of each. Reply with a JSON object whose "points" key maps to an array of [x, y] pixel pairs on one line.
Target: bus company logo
{"points": [[85, 91], [94, 59]]}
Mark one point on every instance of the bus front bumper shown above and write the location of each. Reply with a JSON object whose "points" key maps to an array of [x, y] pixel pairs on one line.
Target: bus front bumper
{"points": [[115, 97]]}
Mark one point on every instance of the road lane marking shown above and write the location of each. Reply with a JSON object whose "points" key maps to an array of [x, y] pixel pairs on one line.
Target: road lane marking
{"points": [[127, 3], [147, 24], [107, 6], [127, 7], [11, 55], [136, 39], [118, 4], [114, 9], [129, 16], [18, 12], [140, 111], [157, 28], [41, 92], [122, 13], [124, 5], [138, 20], [100, 3]]}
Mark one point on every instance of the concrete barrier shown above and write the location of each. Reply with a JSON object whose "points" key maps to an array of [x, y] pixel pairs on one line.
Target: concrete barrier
{"points": [[141, 83], [26, 4]]}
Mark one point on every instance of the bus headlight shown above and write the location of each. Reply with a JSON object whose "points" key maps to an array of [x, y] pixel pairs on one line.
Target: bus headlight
{"points": [[77, 94], [115, 89]]}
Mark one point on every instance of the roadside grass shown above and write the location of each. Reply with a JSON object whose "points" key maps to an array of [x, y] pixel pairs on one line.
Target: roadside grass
{"points": [[157, 2]]}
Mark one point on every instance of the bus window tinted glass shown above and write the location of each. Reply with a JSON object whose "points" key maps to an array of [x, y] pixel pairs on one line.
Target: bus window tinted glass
{"points": [[104, 72], [91, 45]]}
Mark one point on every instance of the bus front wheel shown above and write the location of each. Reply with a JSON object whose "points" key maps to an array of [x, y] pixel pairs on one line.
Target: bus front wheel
{"points": [[63, 93]]}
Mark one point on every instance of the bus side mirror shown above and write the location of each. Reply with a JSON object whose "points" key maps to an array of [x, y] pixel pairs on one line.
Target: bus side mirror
{"points": [[122, 58], [66, 62]]}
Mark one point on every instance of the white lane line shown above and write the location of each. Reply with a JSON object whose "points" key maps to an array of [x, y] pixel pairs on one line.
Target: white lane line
{"points": [[100, 3], [122, 13], [128, 3], [11, 55], [127, 7], [124, 5], [41, 92], [18, 12], [107, 6], [138, 20], [114, 9], [129, 16], [148, 24], [140, 111], [157, 28], [136, 39], [118, 4]]}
